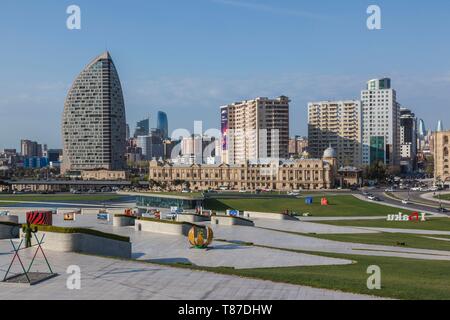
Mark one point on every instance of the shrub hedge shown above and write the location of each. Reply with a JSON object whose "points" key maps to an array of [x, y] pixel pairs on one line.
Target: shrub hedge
{"points": [[83, 231]]}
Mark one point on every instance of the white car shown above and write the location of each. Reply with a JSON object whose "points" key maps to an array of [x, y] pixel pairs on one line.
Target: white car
{"points": [[371, 198], [242, 191], [405, 201]]}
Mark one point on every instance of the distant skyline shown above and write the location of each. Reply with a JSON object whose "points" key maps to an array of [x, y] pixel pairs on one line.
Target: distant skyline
{"points": [[189, 57]]}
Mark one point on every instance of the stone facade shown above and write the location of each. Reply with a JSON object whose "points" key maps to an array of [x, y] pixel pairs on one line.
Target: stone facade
{"points": [[103, 175], [309, 174]]}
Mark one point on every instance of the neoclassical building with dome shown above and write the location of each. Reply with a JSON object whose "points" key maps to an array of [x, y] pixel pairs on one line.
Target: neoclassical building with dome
{"points": [[302, 174]]}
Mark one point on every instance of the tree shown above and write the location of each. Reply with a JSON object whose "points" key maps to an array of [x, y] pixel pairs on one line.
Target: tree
{"points": [[376, 171]]}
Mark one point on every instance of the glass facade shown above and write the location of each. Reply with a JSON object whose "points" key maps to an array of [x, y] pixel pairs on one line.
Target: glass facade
{"points": [[162, 202], [377, 149], [163, 124]]}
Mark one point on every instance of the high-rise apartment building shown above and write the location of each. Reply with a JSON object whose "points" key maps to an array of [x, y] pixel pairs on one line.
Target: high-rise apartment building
{"points": [[380, 124], [30, 148], [297, 145], [441, 148], [336, 124], [94, 125], [408, 140], [255, 129]]}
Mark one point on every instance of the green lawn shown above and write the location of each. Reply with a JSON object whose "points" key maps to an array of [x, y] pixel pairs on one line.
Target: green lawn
{"points": [[406, 279], [443, 197], [340, 206], [436, 224], [391, 239], [59, 198]]}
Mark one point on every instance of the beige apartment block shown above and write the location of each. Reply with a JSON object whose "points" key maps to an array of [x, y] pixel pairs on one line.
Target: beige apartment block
{"points": [[336, 124], [255, 129], [441, 156], [106, 175]]}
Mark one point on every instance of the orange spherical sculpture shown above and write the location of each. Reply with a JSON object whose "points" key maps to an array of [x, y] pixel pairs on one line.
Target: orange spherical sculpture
{"points": [[198, 239]]}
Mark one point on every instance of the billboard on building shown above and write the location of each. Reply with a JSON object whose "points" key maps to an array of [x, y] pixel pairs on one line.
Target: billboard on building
{"points": [[225, 128]]}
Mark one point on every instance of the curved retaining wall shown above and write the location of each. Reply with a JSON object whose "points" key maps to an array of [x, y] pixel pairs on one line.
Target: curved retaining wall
{"points": [[84, 243], [272, 216], [12, 219], [9, 232], [192, 218], [122, 221], [231, 221], [164, 228]]}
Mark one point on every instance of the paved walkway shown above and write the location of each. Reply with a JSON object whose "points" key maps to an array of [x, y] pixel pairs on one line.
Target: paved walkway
{"points": [[103, 279], [155, 247], [162, 248], [431, 197], [408, 231], [284, 240], [307, 227]]}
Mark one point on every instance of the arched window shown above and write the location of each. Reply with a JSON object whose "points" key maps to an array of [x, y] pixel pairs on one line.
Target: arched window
{"points": [[445, 139], [445, 152]]}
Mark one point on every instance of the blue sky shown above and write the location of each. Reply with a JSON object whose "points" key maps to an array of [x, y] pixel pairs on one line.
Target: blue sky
{"points": [[188, 57]]}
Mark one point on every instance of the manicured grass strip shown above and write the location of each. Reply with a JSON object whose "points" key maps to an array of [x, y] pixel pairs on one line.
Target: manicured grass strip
{"points": [[443, 197], [390, 239], [435, 224], [340, 206], [401, 278], [59, 198], [83, 231]]}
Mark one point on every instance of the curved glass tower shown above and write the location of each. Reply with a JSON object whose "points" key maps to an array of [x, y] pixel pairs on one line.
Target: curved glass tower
{"points": [[94, 124], [163, 124]]}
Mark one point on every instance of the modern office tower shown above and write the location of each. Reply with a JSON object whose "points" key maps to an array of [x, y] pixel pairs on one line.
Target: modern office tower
{"points": [[30, 148], [380, 124], [422, 131], [441, 148], [255, 129], [408, 140], [94, 124], [53, 155], [163, 124], [142, 128], [151, 145], [440, 126], [336, 124]]}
